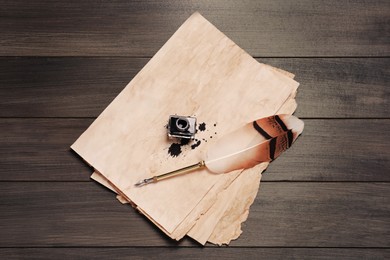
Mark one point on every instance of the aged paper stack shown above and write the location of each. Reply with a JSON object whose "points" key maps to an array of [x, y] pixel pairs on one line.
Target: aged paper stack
{"points": [[198, 72]]}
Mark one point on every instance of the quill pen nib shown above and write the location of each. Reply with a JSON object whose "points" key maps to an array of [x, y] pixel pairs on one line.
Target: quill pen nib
{"points": [[144, 182]]}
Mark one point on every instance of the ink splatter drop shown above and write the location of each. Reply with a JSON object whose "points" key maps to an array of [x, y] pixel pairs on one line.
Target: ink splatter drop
{"points": [[215, 124], [211, 136], [174, 150], [196, 144], [184, 141], [202, 127], [215, 132]]}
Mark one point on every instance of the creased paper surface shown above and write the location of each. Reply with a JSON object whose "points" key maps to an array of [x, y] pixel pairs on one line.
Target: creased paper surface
{"points": [[198, 72]]}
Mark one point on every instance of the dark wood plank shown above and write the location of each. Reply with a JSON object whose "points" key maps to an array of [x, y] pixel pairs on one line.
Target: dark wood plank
{"points": [[284, 215], [71, 214], [140, 28], [336, 150], [328, 150], [52, 87], [342, 88], [193, 253], [38, 149], [321, 215], [83, 87]]}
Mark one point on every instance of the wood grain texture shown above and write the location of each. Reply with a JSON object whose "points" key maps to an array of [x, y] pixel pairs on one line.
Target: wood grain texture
{"points": [[139, 28], [62, 87], [83, 87], [283, 215], [50, 202], [193, 253], [38, 149]]}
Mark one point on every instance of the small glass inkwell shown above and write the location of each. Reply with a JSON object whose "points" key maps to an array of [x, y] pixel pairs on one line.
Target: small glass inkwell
{"points": [[182, 127]]}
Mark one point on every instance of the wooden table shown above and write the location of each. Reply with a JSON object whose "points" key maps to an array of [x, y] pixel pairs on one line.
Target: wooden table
{"points": [[62, 62]]}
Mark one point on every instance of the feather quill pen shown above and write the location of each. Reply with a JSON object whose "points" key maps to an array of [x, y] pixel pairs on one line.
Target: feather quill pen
{"points": [[262, 140]]}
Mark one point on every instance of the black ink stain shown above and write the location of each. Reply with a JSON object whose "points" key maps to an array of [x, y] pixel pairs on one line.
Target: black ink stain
{"points": [[198, 142], [184, 141], [202, 127], [211, 136], [215, 124], [175, 148]]}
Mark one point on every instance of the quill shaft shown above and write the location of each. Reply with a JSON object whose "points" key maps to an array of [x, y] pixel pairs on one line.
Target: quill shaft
{"points": [[180, 171], [174, 173]]}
